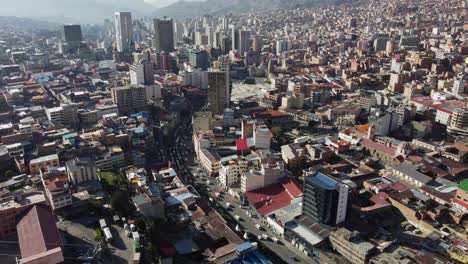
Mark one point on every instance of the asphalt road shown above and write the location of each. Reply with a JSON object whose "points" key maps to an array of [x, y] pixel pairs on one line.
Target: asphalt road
{"points": [[180, 152]]}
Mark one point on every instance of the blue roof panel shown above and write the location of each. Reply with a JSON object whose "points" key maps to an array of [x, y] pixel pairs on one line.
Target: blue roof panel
{"points": [[322, 181]]}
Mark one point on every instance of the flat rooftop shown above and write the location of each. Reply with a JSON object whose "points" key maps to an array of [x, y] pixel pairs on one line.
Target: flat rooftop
{"points": [[25, 199]]}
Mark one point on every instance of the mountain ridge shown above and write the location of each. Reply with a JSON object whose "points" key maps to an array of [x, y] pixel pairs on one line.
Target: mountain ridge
{"points": [[183, 9]]}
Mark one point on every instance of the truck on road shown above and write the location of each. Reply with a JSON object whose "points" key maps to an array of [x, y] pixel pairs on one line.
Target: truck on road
{"points": [[102, 223], [107, 234]]}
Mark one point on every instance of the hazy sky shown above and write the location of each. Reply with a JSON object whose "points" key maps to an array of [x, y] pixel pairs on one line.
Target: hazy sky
{"points": [[162, 3], [80, 11]]}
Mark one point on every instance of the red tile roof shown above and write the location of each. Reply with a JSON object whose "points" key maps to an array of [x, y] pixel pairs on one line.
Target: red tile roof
{"points": [[460, 202], [37, 232], [271, 198], [363, 128], [292, 186], [377, 146], [55, 186], [242, 145], [271, 113]]}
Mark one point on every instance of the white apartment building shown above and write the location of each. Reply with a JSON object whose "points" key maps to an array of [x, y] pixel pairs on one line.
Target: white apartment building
{"points": [[262, 136], [230, 171]]}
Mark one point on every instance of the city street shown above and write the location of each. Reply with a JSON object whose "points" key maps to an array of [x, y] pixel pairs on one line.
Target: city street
{"points": [[180, 152]]}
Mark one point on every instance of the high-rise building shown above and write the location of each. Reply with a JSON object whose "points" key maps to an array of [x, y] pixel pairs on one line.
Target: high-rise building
{"points": [[137, 74], [235, 39], [179, 31], [163, 35], [460, 86], [458, 122], [72, 33], [325, 199], [244, 41], [142, 73], [129, 99], [123, 30], [218, 97], [380, 44], [281, 46], [225, 44], [199, 59], [257, 43]]}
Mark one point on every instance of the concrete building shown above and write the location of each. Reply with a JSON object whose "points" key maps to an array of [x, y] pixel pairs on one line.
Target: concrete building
{"points": [[351, 246], [325, 199], [106, 109], [154, 91], [149, 206], [459, 122], [218, 91], [80, 170], [123, 31], [129, 99], [137, 74], [230, 171], [199, 59], [210, 161], [460, 86], [142, 73], [244, 41], [72, 33], [201, 122], [57, 188], [270, 173], [460, 201], [70, 115], [235, 38], [292, 100], [163, 35], [262, 136], [38, 236], [36, 165], [13, 206], [293, 155], [55, 114]]}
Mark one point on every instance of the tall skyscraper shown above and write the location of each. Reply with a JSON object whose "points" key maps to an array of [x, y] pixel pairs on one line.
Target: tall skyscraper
{"points": [[163, 35], [72, 33], [235, 39], [244, 41], [142, 73], [179, 32], [199, 59], [225, 44], [325, 199], [257, 43], [218, 97], [123, 30]]}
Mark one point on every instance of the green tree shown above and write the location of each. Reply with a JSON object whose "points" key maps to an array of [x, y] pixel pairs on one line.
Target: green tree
{"points": [[140, 223], [120, 202], [98, 234], [96, 206], [9, 174], [277, 132]]}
